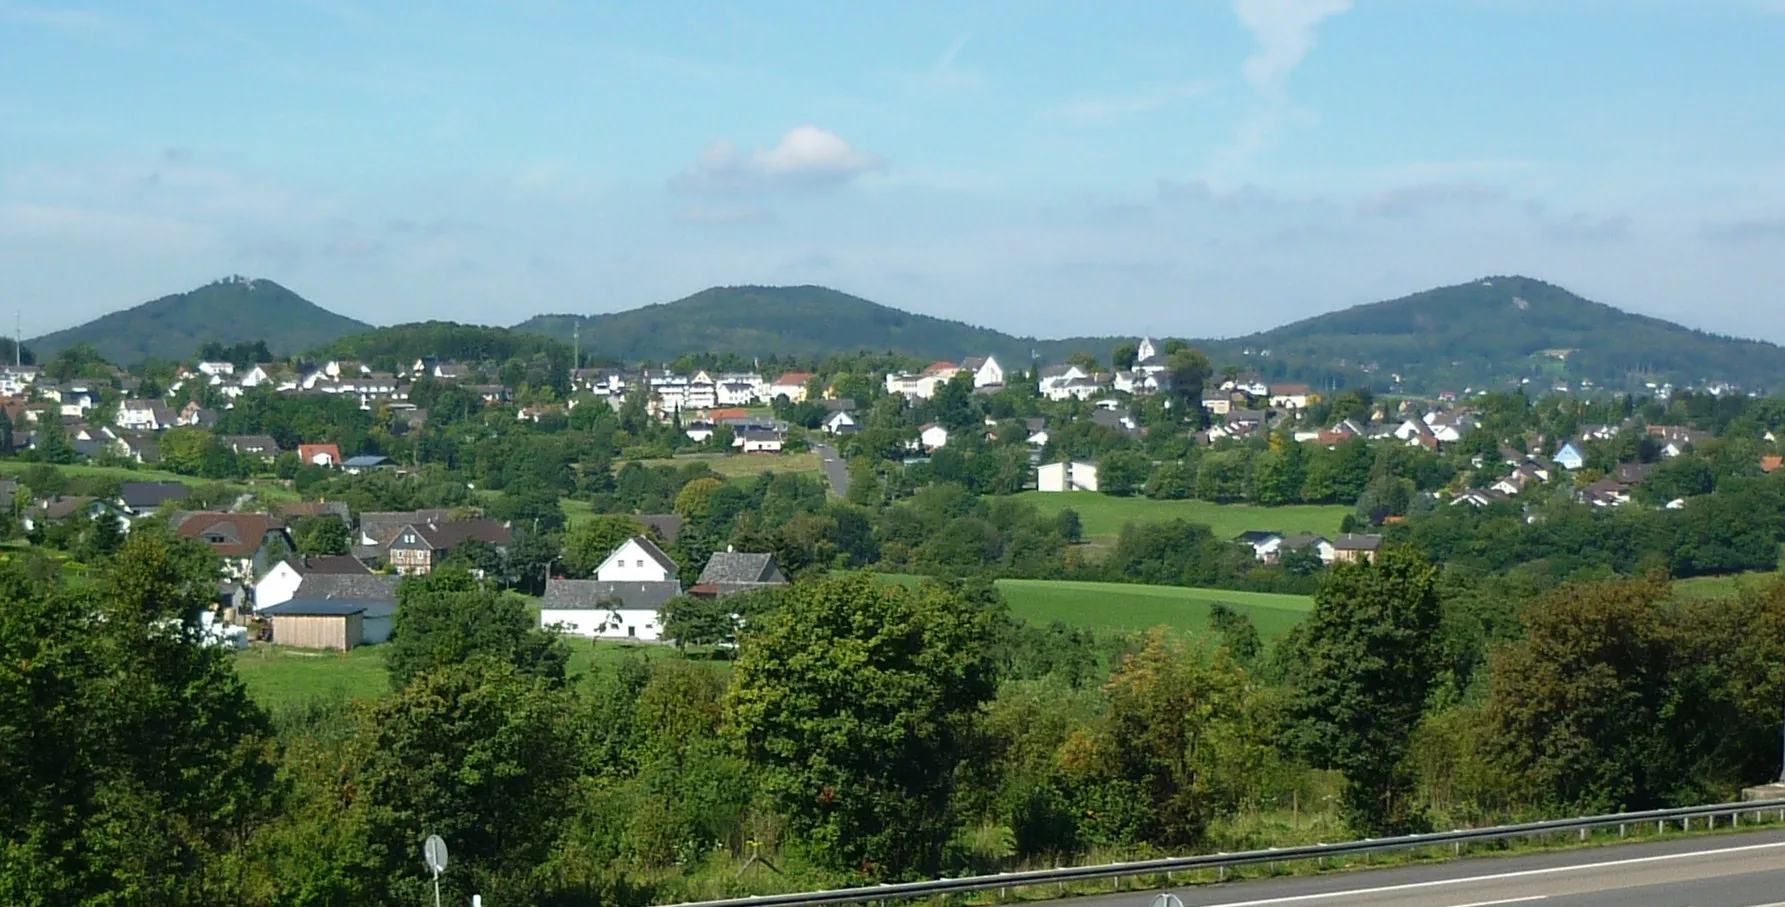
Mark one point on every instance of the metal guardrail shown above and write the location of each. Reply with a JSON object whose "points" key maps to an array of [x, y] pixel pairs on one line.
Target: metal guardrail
{"points": [[1585, 824]]}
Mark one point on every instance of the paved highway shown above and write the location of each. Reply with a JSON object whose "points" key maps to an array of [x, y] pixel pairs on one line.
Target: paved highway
{"points": [[1737, 870], [834, 468]]}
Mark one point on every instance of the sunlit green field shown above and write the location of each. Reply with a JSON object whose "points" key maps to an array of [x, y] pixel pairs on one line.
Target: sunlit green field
{"points": [[1103, 516]]}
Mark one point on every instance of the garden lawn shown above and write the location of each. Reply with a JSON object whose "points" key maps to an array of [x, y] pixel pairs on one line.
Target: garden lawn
{"points": [[122, 474], [279, 676], [1720, 586], [1119, 606], [1103, 516], [734, 466]]}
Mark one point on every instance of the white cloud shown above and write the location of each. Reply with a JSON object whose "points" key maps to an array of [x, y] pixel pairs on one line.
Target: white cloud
{"points": [[1284, 30], [807, 157]]}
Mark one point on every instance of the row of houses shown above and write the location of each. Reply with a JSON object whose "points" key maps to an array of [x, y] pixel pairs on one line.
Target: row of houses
{"points": [[338, 603]]}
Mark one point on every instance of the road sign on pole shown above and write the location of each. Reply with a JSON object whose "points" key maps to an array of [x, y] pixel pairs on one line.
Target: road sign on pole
{"points": [[434, 852]]}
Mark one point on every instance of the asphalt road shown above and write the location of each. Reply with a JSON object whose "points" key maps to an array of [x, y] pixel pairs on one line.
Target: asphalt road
{"points": [[1737, 870], [834, 468]]}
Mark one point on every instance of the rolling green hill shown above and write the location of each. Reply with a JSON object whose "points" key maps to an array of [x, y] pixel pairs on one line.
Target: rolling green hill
{"points": [[797, 321], [229, 311], [1501, 329]]}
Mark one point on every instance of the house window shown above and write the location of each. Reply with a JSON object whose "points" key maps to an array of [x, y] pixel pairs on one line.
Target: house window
{"points": [[641, 563], [631, 631]]}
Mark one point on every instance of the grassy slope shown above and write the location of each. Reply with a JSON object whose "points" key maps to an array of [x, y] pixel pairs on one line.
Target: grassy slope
{"points": [[1115, 606], [736, 465], [1104, 516], [1122, 606], [267, 490]]}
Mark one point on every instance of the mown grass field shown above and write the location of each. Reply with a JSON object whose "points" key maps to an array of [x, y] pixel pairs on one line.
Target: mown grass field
{"points": [[122, 474], [1127, 607], [1117, 606], [1721, 586], [267, 489], [734, 466], [1103, 516], [280, 676]]}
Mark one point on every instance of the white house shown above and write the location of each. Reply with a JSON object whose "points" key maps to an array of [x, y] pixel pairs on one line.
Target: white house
{"points": [[932, 437], [1067, 476], [759, 440], [839, 422], [144, 415], [986, 371], [215, 369], [1291, 396], [791, 385], [1059, 382], [1570, 456], [1264, 544], [621, 602]]}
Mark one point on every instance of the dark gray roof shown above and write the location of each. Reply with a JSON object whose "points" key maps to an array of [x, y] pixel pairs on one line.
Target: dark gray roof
{"points": [[382, 525], [150, 495], [366, 461], [337, 564], [1354, 542], [589, 593], [1293, 542], [1255, 536], [334, 607], [654, 553], [668, 525], [726, 567], [361, 586]]}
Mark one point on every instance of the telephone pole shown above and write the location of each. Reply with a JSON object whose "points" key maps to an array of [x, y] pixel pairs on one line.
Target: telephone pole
{"points": [[576, 345]]}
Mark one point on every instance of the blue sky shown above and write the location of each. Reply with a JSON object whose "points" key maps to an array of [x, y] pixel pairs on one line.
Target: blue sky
{"points": [[1201, 168]]}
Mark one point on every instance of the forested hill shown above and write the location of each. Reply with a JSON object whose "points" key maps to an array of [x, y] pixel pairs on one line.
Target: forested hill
{"points": [[1501, 329], [229, 311], [804, 321]]}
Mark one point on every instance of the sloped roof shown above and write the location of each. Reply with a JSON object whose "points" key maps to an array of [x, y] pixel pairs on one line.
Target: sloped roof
{"points": [[651, 551], [443, 536], [1257, 536], [575, 594], [334, 607], [357, 586], [385, 524], [335, 564], [667, 525], [729, 567], [150, 495], [240, 534], [1351, 541]]}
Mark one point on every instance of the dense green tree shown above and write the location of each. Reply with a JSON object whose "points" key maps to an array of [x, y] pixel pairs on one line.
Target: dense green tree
{"points": [[136, 766], [1369, 663], [1579, 709], [1123, 473], [854, 700], [482, 754], [324, 534], [447, 617], [690, 620]]}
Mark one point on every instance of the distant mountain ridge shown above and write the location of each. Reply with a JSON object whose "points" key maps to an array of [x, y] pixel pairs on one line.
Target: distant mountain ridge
{"points": [[230, 310], [756, 320], [1480, 334], [1498, 329]]}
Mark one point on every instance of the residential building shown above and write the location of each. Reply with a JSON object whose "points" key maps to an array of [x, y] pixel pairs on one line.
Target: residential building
{"points": [[1304, 542], [1353, 548], [281, 583], [1570, 457], [319, 454], [932, 437], [986, 371], [1263, 544], [1066, 476], [140, 498], [420, 547], [241, 539], [1291, 396], [728, 572], [791, 385], [145, 415], [621, 602]]}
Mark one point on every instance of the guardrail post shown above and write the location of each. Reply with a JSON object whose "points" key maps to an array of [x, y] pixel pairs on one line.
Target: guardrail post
{"points": [[1583, 834], [1621, 829]]}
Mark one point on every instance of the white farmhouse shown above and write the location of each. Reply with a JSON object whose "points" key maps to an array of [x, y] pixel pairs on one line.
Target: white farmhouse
{"points": [[621, 602], [986, 371], [932, 437]]}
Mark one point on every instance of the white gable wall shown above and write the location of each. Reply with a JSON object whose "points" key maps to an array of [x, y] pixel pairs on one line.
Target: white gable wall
{"points": [[630, 564]]}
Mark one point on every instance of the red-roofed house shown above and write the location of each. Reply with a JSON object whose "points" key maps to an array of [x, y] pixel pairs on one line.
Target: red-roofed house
{"points": [[320, 454]]}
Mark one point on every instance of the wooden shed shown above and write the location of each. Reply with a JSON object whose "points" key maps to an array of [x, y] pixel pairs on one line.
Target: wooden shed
{"points": [[329, 623]]}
